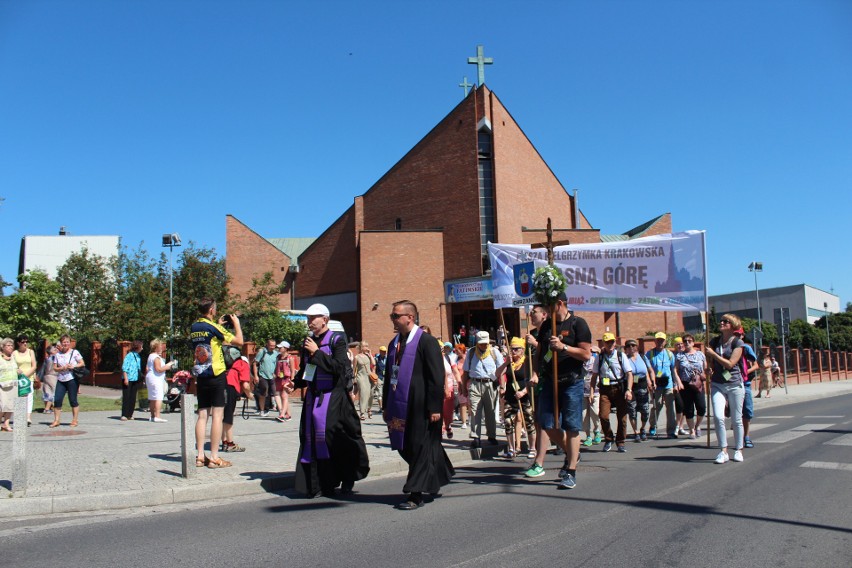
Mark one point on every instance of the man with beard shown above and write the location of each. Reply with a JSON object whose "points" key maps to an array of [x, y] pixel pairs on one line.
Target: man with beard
{"points": [[332, 451], [413, 398]]}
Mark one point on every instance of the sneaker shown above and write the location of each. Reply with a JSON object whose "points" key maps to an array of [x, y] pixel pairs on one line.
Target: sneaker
{"points": [[531, 455], [748, 444], [508, 454], [693, 437], [588, 441], [535, 471], [607, 446], [652, 432], [281, 419], [463, 426], [643, 436], [698, 432], [568, 482], [563, 473], [637, 438], [158, 419], [264, 414], [723, 457], [682, 432], [738, 456], [622, 450], [598, 438]]}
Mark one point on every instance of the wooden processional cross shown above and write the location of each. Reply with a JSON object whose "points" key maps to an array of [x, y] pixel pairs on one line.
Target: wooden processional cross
{"points": [[549, 244]]}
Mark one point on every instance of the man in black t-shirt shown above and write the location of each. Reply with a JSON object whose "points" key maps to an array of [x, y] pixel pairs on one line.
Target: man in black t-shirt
{"points": [[572, 344]]}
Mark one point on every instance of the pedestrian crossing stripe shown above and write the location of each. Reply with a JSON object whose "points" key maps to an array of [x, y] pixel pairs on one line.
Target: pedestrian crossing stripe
{"points": [[845, 440], [836, 466], [794, 433]]}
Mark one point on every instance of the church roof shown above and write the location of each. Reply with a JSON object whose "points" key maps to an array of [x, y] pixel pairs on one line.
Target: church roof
{"points": [[633, 233], [293, 246]]}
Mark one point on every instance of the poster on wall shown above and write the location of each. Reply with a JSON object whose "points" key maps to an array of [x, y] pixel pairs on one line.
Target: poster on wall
{"points": [[650, 274]]}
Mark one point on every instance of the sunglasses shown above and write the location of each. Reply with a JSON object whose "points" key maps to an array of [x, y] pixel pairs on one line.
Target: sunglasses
{"points": [[728, 322], [517, 348], [395, 317], [688, 341]]}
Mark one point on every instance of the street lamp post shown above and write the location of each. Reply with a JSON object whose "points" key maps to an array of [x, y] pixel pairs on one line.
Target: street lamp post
{"points": [[171, 241], [827, 335], [757, 267]]}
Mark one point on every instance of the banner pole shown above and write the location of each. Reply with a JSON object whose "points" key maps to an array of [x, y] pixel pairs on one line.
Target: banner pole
{"points": [[707, 372]]}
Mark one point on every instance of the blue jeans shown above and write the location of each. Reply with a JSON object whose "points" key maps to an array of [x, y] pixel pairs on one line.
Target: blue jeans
{"points": [[71, 387], [748, 403], [733, 395], [570, 407]]}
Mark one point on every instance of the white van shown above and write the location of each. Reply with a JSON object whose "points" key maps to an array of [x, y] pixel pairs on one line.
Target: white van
{"points": [[301, 315]]}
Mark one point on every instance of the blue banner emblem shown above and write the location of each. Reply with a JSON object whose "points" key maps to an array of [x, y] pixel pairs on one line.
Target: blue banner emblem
{"points": [[524, 279]]}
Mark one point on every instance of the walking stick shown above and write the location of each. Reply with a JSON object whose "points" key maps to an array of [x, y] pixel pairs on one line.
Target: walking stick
{"points": [[528, 355], [707, 379], [515, 387]]}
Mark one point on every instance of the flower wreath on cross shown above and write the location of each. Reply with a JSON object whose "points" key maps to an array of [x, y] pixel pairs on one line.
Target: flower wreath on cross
{"points": [[548, 283]]}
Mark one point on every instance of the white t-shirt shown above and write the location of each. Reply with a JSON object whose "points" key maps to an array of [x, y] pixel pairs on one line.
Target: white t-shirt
{"points": [[72, 356], [152, 370]]}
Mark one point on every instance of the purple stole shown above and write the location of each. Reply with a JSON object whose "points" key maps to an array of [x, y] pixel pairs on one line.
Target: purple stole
{"points": [[317, 417], [398, 395]]}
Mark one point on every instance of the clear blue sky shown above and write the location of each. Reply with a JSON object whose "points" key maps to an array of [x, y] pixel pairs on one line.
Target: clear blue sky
{"points": [[140, 118]]}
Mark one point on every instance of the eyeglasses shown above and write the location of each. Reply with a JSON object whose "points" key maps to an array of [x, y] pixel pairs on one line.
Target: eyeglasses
{"points": [[517, 348], [688, 341], [630, 345], [395, 317]]}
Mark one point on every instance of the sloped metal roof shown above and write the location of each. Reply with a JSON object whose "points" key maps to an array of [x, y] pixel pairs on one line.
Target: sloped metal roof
{"points": [[293, 246]]}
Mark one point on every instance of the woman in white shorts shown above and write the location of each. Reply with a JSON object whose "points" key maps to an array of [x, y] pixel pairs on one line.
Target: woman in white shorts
{"points": [[155, 379]]}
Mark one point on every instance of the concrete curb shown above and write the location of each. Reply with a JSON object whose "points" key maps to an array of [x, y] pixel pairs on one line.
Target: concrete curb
{"points": [[30, 506]]}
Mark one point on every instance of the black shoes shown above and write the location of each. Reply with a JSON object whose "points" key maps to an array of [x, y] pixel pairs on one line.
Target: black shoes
{"points": [[414, 501]]}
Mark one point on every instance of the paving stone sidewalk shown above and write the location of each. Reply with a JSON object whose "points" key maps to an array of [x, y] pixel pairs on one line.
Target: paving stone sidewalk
{"points": [[105, 463]]}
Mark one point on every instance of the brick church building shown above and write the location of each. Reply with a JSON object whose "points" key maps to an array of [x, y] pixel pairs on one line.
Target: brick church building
{"points": [[420, 233]]}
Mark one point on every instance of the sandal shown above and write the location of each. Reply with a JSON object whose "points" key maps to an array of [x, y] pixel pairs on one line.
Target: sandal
{"points": [[363, 417], [73, 423], [219, 463], [201, 462], [54, 425]]}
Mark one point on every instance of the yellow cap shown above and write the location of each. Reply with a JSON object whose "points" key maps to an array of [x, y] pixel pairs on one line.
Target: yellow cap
{"points": [[608, 336], [519, 342], [660, 335], [678, 340]]}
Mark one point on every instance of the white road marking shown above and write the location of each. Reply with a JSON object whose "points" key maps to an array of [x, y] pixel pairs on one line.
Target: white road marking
{"points": [[836, 466], [775, 417], [841, 416], [794, 433], [845, 440]]}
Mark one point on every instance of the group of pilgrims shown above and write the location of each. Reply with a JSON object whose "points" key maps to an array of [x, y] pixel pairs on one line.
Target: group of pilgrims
{"points": [[333, 456]]}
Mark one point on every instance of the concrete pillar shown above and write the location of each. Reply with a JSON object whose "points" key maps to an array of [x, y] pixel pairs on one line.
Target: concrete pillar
{"points": [[187, 436], [19, 449]]}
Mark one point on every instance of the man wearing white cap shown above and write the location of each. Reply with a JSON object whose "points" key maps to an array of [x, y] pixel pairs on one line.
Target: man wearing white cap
{"points": [[331, 451], [480, 374]]}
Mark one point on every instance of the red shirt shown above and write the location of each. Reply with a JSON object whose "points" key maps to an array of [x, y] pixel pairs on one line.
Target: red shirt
{"points": [[238, 373]]}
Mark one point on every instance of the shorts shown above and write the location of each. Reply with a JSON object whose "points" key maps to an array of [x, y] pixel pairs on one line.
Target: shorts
{"points": [[570, 407], [265, 387], [748, 403], [211, 392], [231, 398], [283, 386]]}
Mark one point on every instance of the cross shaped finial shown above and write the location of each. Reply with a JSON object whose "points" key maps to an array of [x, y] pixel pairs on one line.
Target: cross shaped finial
{"points": [[466, 86], [480, 61]]}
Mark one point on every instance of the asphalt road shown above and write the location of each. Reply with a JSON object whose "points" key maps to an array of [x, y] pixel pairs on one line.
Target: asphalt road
{"points": [[664, 503]]}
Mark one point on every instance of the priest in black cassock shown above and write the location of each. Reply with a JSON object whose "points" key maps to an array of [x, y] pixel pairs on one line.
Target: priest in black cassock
{"points": [[332, 452], [413, 396]]}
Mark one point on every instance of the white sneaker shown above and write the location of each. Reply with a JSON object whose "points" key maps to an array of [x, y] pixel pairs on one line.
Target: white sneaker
{"points": [[723, 457], [738, 456], [463, 426], [158, 419]]}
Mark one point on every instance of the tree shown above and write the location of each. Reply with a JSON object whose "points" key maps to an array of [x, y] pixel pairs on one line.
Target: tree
{"points": [[806, 336], [33, 309], [770, 331], [141, 309], [89, 285], [277, 326], [840, 329]]}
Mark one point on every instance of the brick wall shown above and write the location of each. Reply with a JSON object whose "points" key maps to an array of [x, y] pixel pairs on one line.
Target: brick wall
{"points": [[329, 265], [400, 266], [248, 255]]}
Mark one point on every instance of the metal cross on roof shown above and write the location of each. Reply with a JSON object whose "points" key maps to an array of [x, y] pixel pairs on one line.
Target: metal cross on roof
{"points": [[466, 86], [480, 61]]}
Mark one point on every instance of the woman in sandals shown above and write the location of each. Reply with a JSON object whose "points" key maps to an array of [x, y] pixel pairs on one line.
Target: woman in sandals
{"points": [[8, 383], [689, 370], [64, 361], [155, 378], [726, 384]]}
